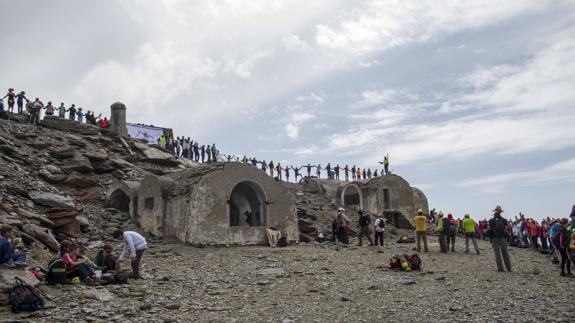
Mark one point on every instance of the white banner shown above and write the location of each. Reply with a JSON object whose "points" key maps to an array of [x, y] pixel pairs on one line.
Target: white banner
{"points": [[151, 134]]}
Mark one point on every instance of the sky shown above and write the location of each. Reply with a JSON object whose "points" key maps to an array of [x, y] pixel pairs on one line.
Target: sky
{"points": [[474, 101]]}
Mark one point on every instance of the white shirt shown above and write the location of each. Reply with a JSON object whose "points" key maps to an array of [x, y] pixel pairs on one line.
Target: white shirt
{"points": [[132, 241], [376, 225]]}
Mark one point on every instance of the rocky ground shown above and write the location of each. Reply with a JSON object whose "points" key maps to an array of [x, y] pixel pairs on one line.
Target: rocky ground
{"points": [[316, 283], [53, 181]]}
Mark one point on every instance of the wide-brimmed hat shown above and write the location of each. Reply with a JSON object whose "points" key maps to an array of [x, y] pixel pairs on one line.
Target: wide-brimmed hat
{"points": [[420, 211], [498, 209], [341, 209]]}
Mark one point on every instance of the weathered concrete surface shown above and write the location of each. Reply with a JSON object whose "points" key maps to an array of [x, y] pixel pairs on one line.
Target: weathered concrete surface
{"points": [[194, 205], [121, 190], [118, 119]]}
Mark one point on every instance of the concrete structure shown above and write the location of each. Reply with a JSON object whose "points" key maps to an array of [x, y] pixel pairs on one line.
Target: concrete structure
{"points": [[388, 195], [124, 196], [118, 119], [224, 203]]}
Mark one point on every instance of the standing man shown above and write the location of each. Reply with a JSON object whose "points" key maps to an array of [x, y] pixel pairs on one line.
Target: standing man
{"points": [[346, 171], [363, 224], [279, 169], [135, 244], [296, 172], [214, 153], [336, 171], [386, 164], [469, 232], [450, 230], [318, 170], [421, 230], [379, 228], [308, 169], [203, 153], [440, 234], [271, 167], [162, 141], [353, 173], [498, 236], [342, 223]]}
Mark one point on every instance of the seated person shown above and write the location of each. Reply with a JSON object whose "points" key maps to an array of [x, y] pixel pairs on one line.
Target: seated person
{"points": [[77, 268], [8, 256], [64, 245], [105, 260]]}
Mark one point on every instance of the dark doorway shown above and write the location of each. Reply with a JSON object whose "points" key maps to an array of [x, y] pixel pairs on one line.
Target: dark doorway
{"points": [[386, 204], [351, 197], [120, 201], [246, 205]]}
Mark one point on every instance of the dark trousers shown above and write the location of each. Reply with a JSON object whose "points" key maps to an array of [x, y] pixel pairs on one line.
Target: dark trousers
{"points": [[534, 242], [136, 264], [564, 260], [83, 271], [450, 239], [442, 243], [379, 237]]}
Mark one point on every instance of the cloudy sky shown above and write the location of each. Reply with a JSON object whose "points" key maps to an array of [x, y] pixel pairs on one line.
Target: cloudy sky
{"points": [[473, 100]]}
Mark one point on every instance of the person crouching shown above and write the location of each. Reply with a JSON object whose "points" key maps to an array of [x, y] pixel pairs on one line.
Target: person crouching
{"points": [[135, 244]]}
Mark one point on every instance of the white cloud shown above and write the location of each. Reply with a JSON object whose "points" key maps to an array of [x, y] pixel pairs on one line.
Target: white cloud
{"points": [[557, 173], [384, 24], [294, 43]]}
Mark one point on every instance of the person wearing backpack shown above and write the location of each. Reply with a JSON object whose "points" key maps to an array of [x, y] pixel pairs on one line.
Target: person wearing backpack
{"points": [[363, 224], [421, 230], [342, 222], [469, 232], [439, 229], [450, 230], [498, 237], [379, 228], [8, 256]]}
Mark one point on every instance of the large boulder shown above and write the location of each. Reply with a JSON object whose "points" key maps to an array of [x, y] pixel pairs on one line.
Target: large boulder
{"points": [[62, 124], [52, 200]]}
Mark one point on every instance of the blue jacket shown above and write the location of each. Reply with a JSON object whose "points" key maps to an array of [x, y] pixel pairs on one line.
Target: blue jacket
{"points": [[6, 250], [554, 230]]}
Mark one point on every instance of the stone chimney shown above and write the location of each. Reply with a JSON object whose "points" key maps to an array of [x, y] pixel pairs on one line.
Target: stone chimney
{"points": [[118, 119]]}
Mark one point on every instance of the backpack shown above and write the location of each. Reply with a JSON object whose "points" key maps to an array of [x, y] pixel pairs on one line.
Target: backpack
{"points": [[24, 297], [381, 223], [56, 272], [414, 261], [499, 227], [365, 220], [282, 242]]}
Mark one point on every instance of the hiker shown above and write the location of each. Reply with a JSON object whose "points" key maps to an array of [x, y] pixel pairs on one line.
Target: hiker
{"points": [[328, 171], [375, 173], [497, 236], [162, 141], [440, 233], [49, 109], [469, 232], [20, 97], [11, 96], [562, 242], [279, 169], [358, 174], [36, 108], [308, 169], [534, 233], [271, 167], [318, 170], [286, 170], [197, 151], [203, 153], [421, 230], [264, 166], [134, 244], [353, 173], [334, 228], [363, 224], [544, 235], [336, 171], [386, 164], [105, 260], [8, 255], [64, 246], [77, 267], [80, 115], [214, 153], [104, 123], [368, 173], [342, 222], [296, 172], [379, 228], [62, 110], [364, 174], [450, 231], [346, 172], [72, 112], [1, 105]]}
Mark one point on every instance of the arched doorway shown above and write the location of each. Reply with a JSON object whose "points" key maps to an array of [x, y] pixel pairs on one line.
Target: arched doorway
{"points": [[247, 205], [120, 200], [351, 197]]}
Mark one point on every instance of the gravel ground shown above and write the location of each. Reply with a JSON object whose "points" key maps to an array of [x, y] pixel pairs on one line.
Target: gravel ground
{"points": [[316, 283]]}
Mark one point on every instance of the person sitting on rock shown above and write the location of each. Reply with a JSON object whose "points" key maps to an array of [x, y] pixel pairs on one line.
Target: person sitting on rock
{"points": [[105, 260], [135, 244], [8, 255], [64, 246], [77, 267]]}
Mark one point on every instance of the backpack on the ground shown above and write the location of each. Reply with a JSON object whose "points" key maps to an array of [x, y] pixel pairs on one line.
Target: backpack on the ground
{"points": [[381, 223], [121, 277], [56, 272], [414, 261], [24, 297], [282, 242]]}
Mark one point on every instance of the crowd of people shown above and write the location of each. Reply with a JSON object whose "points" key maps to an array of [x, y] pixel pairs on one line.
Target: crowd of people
{"points": [[33, 110], [550, 236], [79, 267], [188, 148]]}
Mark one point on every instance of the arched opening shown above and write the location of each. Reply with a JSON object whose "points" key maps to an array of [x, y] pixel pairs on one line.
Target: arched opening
{"points": [[351, 197], [247, 206], [120, 201]]}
